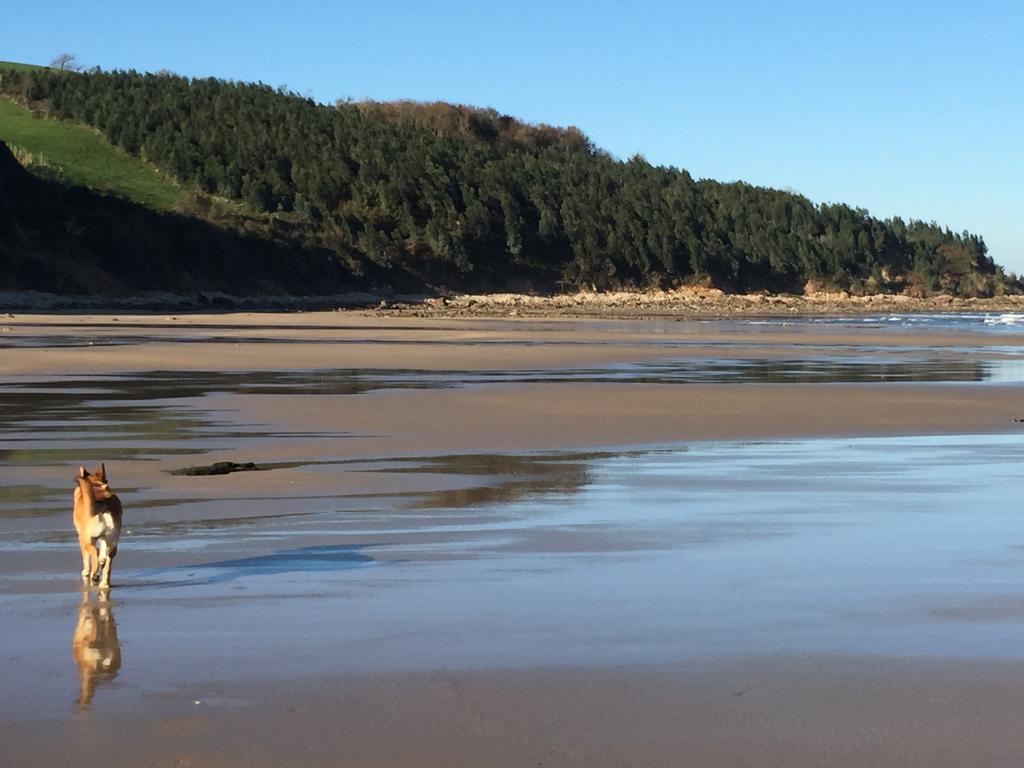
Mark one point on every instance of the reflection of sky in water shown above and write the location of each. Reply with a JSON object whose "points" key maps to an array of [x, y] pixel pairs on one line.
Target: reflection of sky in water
{"points": [[888, 546], [824, 545], [1007, 371]]}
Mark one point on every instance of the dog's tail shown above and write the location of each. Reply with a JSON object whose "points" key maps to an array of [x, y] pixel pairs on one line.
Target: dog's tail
{"points": [[88, 500]]}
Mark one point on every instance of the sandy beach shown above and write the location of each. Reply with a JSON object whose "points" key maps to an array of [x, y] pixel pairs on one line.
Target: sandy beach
{"points": [[514, 541]]}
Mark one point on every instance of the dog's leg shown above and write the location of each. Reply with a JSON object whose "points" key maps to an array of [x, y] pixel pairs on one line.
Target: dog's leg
{"points": [[93, 561], [108, 562], [101, 558], [86, 562]]}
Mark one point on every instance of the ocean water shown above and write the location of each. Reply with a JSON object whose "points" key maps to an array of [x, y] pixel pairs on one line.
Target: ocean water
{"points": [[982, 322]]}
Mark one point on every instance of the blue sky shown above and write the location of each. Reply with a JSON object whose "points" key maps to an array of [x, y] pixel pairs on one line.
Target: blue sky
{"points": [[904, 108]]}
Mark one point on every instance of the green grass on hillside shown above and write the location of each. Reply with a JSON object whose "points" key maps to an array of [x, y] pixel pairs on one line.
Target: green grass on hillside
{"points": [[84, 157], [17, 67]]}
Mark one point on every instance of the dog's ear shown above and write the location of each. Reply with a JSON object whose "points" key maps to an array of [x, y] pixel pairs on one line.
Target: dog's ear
{"points": [[82, 472], [101, 473]]}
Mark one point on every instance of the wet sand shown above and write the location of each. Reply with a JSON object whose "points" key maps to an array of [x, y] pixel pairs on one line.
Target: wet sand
{"points": [[429, 572], [787, 712], [575, 413], [87, 343]]}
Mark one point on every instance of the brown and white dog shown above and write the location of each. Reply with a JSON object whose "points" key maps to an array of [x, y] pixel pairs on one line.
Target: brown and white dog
{"points": [[97, 518]]}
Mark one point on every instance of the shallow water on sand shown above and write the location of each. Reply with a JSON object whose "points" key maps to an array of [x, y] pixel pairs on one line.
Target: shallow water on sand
{"points": [[893, 546], [334, 561]]}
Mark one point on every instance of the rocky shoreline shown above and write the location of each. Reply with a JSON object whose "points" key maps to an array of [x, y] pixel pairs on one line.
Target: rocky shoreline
{"points": [[690, 303]]}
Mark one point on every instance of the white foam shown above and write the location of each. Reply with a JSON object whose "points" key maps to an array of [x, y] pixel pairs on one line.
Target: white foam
{"points": [[1009, 318]]}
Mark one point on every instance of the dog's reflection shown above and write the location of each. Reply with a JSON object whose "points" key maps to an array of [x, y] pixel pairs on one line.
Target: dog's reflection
{"points": [[94, 645]]}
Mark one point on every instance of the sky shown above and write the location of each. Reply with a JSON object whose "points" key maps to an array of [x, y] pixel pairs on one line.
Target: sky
{"points": [[912, 109]]}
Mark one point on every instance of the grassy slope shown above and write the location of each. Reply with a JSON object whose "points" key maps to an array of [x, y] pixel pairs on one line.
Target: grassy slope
{"points": [[19, 67], [84, 157]]}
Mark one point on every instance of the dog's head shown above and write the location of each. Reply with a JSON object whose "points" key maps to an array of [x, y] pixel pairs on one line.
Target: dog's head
{"points": [[98, 481]]}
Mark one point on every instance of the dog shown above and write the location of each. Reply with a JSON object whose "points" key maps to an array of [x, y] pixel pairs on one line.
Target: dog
{"points": [[97, 517]]}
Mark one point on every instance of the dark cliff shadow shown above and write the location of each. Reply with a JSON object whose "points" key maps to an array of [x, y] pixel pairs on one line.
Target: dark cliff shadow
{"points": [[94, 645], [65, 239]]}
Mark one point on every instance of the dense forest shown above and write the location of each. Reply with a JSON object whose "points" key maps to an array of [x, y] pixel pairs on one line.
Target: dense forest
{"points": [[448, 196]]}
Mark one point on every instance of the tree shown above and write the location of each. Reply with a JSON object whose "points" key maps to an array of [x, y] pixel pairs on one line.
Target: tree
{"points": [[66, 62]]}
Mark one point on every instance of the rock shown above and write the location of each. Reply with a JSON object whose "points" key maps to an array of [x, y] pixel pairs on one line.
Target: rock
{"points": [[217, 468]]}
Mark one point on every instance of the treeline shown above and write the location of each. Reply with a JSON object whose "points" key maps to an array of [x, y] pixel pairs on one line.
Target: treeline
{"points": [[468, 198]]}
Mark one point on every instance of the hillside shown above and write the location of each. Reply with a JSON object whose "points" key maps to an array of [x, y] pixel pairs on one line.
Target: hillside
{"points": [[64, 239], [434, 196]]}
